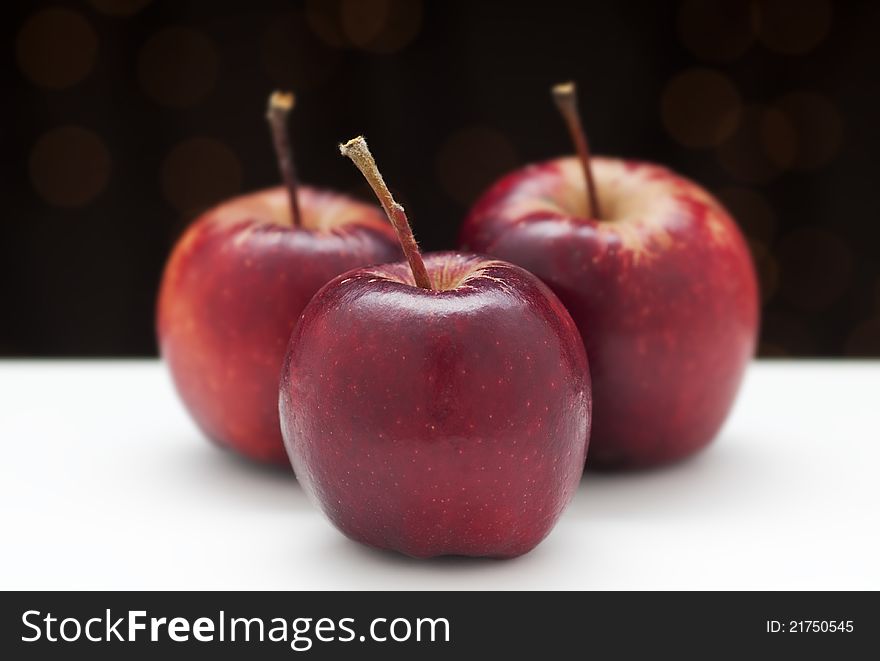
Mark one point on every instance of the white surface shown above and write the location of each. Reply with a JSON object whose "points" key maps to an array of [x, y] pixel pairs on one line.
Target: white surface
{"points": [[105, 483]]}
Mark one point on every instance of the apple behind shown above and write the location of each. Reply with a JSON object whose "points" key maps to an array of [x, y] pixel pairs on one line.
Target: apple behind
{"points": [[232, 290], [662, 289]]}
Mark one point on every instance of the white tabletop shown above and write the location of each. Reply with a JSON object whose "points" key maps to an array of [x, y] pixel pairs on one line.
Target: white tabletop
{"points": [[105, 483]]}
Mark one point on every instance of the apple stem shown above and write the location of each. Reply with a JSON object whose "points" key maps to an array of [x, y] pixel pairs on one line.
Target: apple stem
{"points": [[280, 105], [565, 96], [356, 149]]}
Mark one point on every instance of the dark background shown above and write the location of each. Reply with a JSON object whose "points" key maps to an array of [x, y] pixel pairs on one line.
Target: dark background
{"points": [[125, 118]]}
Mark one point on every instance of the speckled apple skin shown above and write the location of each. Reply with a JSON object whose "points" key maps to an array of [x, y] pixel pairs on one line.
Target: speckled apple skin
{"points": [[438, 422], [232, 291], [664, 294]]}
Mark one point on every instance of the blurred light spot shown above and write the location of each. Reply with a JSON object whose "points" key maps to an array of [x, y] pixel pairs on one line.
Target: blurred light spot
{"points": [[198, 173], [751, 210], [293, 57], [794, 27], [864, 340], [789, 335], [363, 20], [717, 31], [767, 269], [325, 19], [69, 166], [700, 108], [381, 26], [771, 350], [178, 66], [817, 127], [746, 153], [56, 48], [471, 159], [815, 268], [778, 137], [119, 7]]}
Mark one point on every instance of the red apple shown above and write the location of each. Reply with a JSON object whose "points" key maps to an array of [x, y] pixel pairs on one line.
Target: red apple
{"points": [[437, 407], [659, 281], [233, 289]]}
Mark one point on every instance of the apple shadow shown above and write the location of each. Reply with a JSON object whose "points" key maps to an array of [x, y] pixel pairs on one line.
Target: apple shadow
{"points": [[711, 482], [714, 479], [350, 565], [361, 566], [221, 475]]}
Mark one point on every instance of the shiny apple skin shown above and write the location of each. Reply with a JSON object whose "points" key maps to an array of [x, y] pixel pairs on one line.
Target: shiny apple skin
{"points": [[434, 423], [664, 294], [233, 288]]}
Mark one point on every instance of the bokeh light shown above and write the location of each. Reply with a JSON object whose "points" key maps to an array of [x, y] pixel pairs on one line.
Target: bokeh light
{"points": [[325, 19], [746, 154], [771, 350], [178, 66], [751, 210], [778, 137], [794, 27], [768, 102], [293, 56], [198, 173], [471, 159], [817, 127], [362, 21], [815, 268], [56, 48], [700, 107], [119, 7], [69, 166], [380, 26], [718, 31], [864, 340], [402, 20], [785, 334], [767, 268]]}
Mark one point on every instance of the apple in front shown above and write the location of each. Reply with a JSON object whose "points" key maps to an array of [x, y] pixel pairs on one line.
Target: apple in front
{"points": [[449, 417], [660, 284], [237, 281], [452, 420]]}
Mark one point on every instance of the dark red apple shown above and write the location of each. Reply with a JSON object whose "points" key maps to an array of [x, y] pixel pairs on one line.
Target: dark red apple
{"points": [[233, 289], [437, 407], [659, 281]]}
